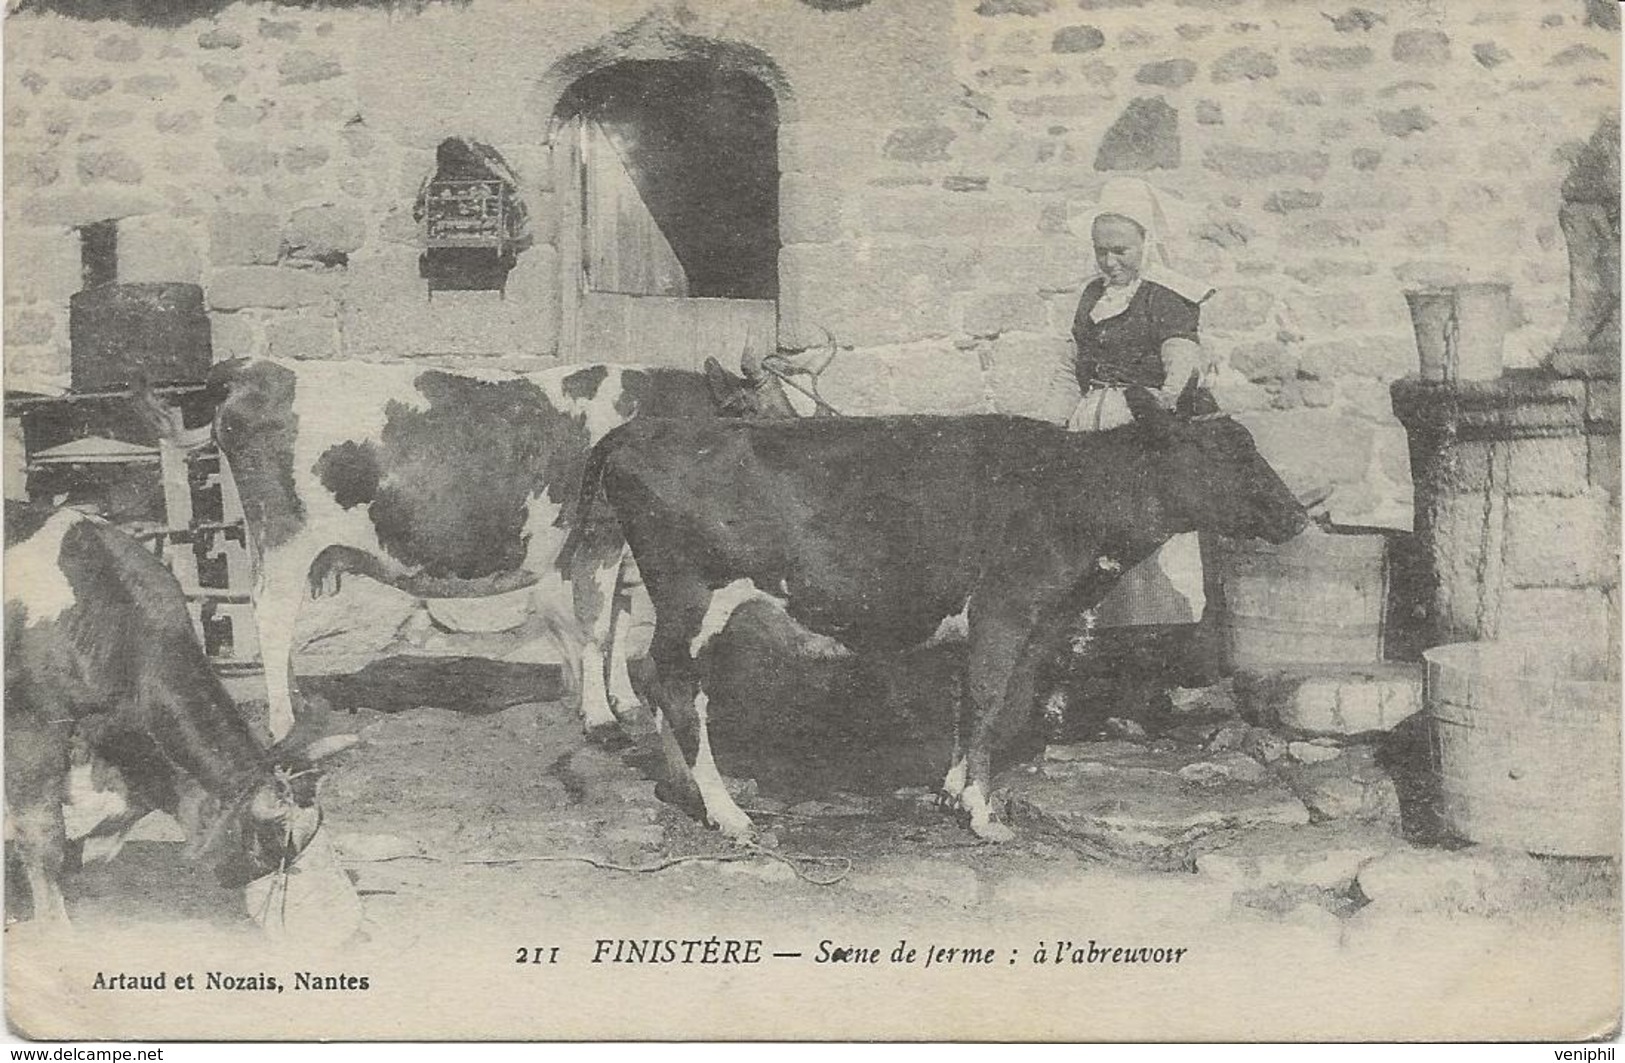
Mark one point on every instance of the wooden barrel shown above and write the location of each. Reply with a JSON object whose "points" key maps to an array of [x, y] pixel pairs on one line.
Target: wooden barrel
{"points": [[1527, 745], [1316, 599]]}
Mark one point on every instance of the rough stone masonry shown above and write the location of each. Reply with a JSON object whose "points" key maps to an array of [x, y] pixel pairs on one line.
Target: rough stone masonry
{"points": [[939, 161]]}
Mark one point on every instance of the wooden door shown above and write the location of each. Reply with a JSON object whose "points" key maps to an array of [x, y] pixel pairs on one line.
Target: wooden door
{"points": [[625, 293]]}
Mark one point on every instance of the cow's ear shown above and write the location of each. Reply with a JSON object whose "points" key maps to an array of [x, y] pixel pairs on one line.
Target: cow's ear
{"points": [[1148, 412], [724, 386], [1195, 400]]}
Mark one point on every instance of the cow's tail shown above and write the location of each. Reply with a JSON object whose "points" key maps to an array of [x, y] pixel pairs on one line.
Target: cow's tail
{"points": [[593, 524]]}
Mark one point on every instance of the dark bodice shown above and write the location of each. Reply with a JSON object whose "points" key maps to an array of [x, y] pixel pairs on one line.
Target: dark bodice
{"points": [[1127, 348]]}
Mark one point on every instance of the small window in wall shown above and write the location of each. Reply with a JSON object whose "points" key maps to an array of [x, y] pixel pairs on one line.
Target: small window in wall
{"points": [[98, 253], [473, 224]]}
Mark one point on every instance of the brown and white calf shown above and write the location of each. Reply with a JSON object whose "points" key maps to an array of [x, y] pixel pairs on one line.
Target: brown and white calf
{"points": [[446, 485]]}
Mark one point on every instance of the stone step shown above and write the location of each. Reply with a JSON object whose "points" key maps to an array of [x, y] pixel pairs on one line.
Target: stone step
{"points": [[1333, 699], [1145, 806]]}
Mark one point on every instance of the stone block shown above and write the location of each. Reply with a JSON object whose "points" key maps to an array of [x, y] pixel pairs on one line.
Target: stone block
{"points": [[150, 86], [41, 263], [45, 368], [1029, 376], [1331, 57], [1490, 55], [324, 232], [29, 326], [85, 86], [158, 249], [1561, 542], [928, 143], [1250, 64], [1294, 442], [1132, 804], [110, 164], [1029, 8], [223, 75], [935, 378], [1168, 72], [1232, 309], [102, 120], [1324, 856], [1075, 40], [1350, 786], [1384, 359], [1476, 880], [1208, 112], [177, 122], [1580, 615], [266, 286], [218, 38], [302, 67], [868, 297], [31, 170], [1603, 463], [233, 336], [1576, 54], [1546, 466], [1405, 121], [1264, 361], [273, 30], [1144, 137], [928, 212], [301, 335], [809, 209], [859, 385], [1334, 699], [1008, 311], [303, 158], [1235, 160], [1422, 47], [246, 158], [245, 239], [1290, 199], [116, 48]]}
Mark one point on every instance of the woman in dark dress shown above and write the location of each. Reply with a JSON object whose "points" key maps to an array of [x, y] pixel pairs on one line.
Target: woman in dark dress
{"points": [[1137, 324]]}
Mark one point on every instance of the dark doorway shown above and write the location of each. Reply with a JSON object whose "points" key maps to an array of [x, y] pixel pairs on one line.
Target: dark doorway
{"points": [[701, 146]]}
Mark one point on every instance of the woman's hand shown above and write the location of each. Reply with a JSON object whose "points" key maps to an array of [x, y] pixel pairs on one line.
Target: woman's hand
{"points": [[1180, 359]]}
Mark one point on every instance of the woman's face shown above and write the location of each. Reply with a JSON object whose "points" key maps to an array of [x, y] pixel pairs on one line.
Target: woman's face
{"points": [[1118, 245]]}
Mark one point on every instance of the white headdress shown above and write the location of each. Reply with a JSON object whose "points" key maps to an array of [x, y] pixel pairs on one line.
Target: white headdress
{"points": [[1136, 200]]}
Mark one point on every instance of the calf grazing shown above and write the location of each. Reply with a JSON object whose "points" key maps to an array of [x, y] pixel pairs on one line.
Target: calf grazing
{"points": [[873, 531], [100, 652], [444, 485]]}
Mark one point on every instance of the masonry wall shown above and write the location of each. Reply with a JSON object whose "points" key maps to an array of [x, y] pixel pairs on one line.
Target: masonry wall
{"points": [[940, 162]]}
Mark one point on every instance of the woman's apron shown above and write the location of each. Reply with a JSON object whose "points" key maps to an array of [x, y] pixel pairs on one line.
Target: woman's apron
{"points": [[1165, 588]]}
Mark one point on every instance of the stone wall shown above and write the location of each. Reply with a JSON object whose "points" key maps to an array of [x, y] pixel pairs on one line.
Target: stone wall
{"points": [[940, 160]]}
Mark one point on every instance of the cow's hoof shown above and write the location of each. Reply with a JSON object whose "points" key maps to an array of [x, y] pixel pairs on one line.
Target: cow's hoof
{"points": [[740, 831], [608, 736], [993, 831]]}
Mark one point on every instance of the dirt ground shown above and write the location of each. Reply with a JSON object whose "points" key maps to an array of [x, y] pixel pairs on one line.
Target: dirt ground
{"points": [[484, 829]]}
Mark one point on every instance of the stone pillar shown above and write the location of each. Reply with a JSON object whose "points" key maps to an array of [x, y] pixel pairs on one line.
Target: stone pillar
{"points": [[1517, 484]]}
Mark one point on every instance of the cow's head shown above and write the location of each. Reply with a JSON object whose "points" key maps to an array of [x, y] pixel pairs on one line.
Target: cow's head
{"points": [[746, 396], [1211, 476], [267, 827]]}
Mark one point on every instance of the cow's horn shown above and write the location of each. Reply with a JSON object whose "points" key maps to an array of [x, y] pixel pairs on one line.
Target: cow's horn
{"points": [[750, 363]]}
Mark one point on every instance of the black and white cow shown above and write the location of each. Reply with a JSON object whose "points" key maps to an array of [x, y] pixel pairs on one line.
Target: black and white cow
{"points": [[875, 531], [101, 655], [445, 485]]}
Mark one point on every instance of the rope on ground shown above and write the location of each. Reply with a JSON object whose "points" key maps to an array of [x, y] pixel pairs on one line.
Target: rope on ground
{"points": [[791, 860]]}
